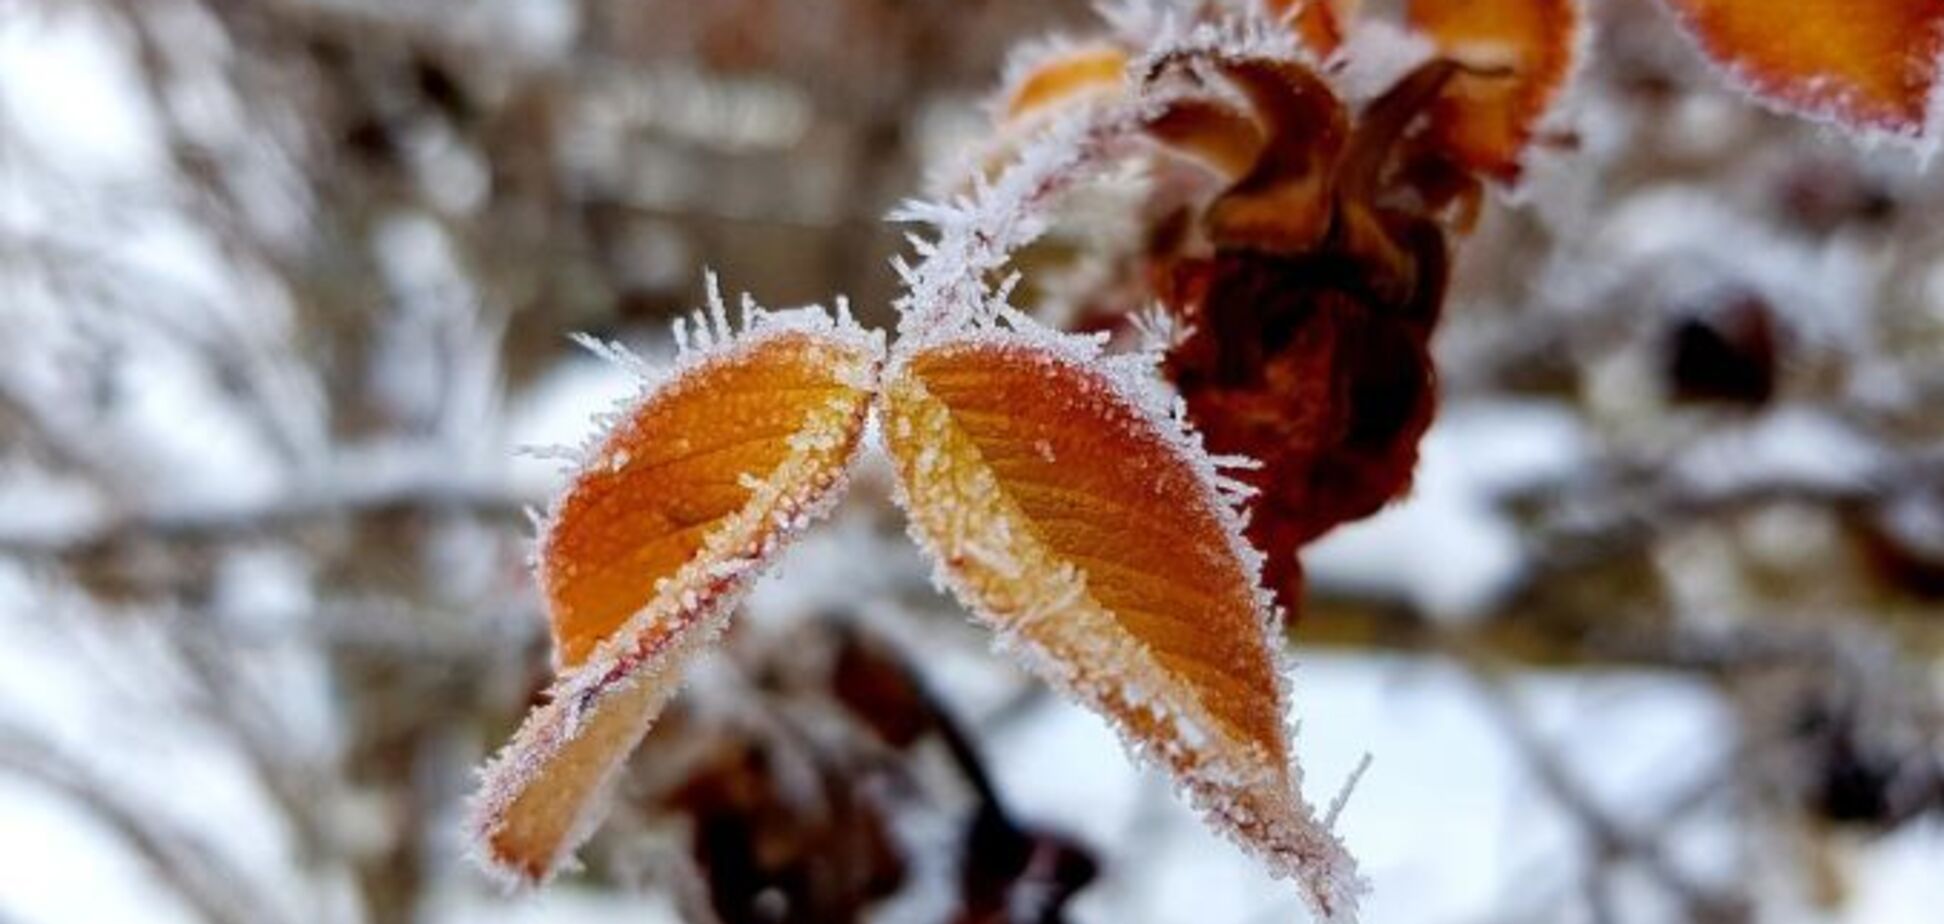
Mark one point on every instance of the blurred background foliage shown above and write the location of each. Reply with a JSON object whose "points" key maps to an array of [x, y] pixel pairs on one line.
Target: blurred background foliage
{"points": [[283, 283]]}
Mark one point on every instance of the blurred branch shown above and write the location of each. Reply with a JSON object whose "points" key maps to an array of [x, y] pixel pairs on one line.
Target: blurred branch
{"points": [[208, 883], [431, 492], [1612, 840], [1600, 528]]}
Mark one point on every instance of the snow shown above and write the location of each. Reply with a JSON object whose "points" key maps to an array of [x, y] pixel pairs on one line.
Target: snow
{"points": [[63, 866], [1374, 56], [1898, 878], [111, 696], [563, 904], [553, 412], [1678, 244], [1447, 548], [1444, 776], [1791, 445], [39, 505], [65, 75], [1446, 823]]}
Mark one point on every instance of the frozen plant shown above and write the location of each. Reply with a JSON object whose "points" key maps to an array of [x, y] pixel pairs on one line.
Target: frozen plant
{"points": [[1304, 175]]}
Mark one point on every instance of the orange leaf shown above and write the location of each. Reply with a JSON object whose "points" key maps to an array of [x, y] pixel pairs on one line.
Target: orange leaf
{"points": [[1866, 64], [1518, 55], [1091, 535], [675, 513], [1319, 23], [1070, 73]]}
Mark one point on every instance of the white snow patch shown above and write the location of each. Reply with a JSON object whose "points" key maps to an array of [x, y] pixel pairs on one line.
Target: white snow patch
{"points": [[1791, 445], [1446, 547], [63, 865], [562, 904], [1449, 825], [70, 88]]}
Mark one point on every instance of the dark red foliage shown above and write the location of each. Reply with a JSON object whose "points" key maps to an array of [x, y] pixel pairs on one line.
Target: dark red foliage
{"points": [[1309, 351], [1854, 778], [773, 850], [1013, 875], [1009, 873], [769, 857], [1300, 363]]}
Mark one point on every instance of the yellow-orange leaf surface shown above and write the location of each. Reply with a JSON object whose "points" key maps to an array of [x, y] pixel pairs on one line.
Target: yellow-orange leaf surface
{"points": [[1072, 73], [1519, 54], [655, 540], [1319, 23], [1864, 63], [1089, 534]]}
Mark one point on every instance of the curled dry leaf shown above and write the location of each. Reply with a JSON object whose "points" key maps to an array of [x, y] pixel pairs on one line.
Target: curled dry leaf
{"points": [[1091, 537], [1286, 201], [1305, 342], [1301, 365], [1214, 134], [672, 516], [1517, 56], [1864, 64]]}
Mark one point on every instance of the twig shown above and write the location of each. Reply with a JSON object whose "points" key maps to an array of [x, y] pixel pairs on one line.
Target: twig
{"points": [[430, 492], [1609, 838]]}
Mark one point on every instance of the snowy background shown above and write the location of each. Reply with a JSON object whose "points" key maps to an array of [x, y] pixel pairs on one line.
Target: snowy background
{"points": [[285, 283]]}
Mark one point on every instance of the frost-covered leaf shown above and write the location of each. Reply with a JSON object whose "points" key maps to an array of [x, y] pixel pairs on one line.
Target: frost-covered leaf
{"points": [[1518, 55], [1061, 73], [672, 515], [1047, 83], [1869, 65], [1094, 538], [698, 450]]}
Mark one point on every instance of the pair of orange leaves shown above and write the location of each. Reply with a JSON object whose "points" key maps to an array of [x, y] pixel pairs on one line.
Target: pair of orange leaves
{"points": [[1055, 505]]}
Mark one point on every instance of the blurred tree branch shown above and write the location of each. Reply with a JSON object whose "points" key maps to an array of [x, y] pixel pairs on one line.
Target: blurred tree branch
{"points": [[200, 875]]}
